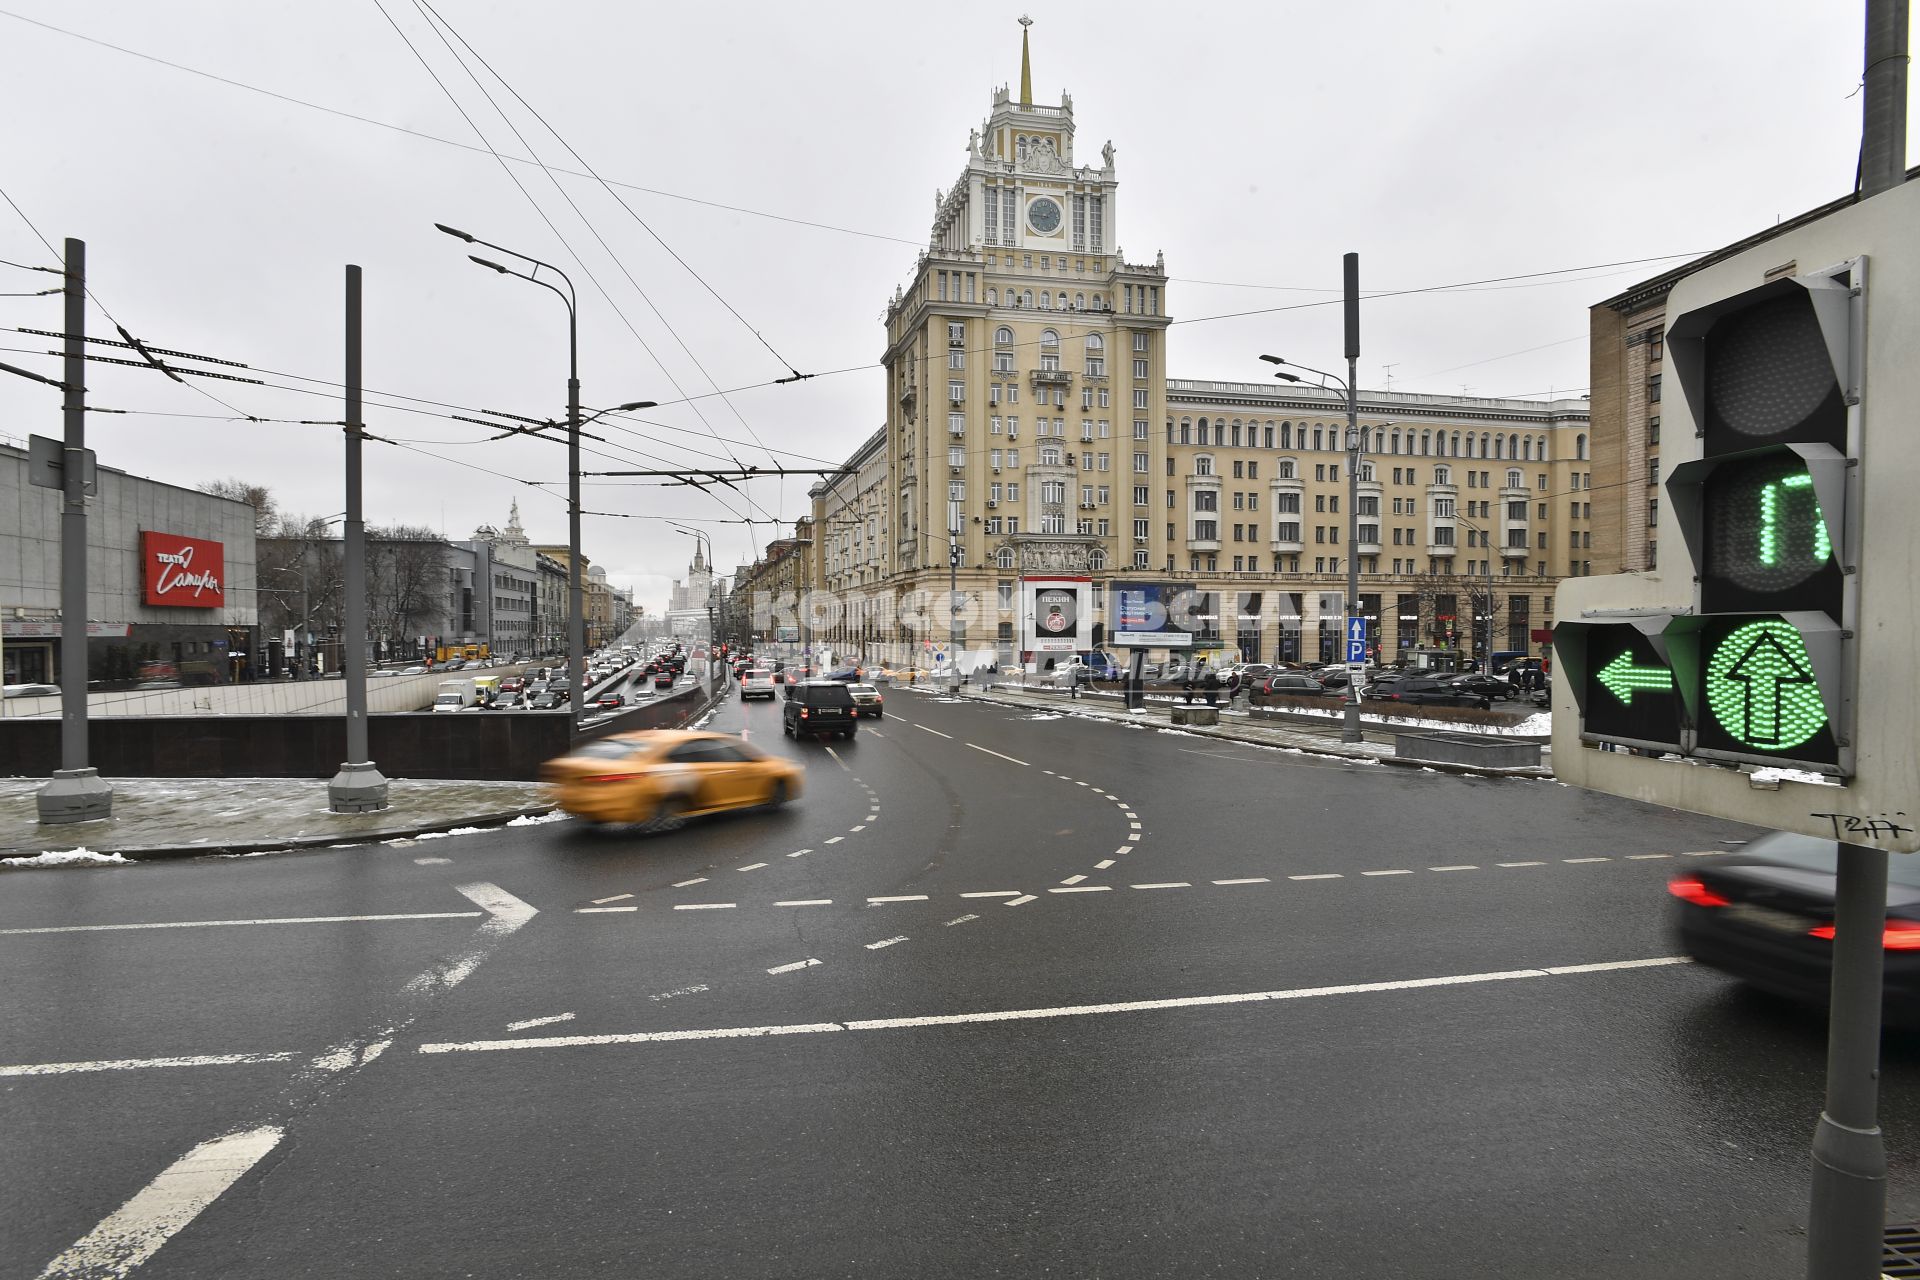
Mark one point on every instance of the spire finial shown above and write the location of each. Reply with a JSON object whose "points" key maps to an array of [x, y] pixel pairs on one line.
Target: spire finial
{"points": [[1026, 64]]}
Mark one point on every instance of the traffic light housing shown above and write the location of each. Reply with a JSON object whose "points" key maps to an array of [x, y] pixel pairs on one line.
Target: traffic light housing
{"points": [[1761, 668]]}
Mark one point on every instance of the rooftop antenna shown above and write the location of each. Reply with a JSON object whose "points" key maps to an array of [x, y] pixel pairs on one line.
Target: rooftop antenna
{"points": [[1389, 369]]}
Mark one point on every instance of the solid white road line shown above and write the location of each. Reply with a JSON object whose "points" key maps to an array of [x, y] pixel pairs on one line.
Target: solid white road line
{"points": [[1247, 880], [805, 902], [597, 911], [1014, 902], [688, 884], [789, 968], [140, 1064], [704, 906], [618, 897], [1009, 759], [885, 942], [935, 732], [136, 1230], [539, 1022], [1166, 884], [993, 893], [1073, 880], [1064, 1011], [905, 897], [214, 924]]}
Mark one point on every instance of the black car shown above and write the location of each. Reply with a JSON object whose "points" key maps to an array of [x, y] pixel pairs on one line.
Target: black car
{"points": [[1766, 917], [1485, 686], [1426, 691], [819, 708]]}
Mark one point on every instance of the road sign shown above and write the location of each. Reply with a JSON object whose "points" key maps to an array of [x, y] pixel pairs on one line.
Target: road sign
{"points": [[1356, 652], [47, 468]]}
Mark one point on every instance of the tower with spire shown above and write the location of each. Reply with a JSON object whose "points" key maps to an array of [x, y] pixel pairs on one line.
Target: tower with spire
{"points": [[1025, 364]]}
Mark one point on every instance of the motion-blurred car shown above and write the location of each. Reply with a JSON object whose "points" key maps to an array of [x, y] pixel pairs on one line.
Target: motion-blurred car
{"points": [[32, 691], [1765, 916], [1289, 684], [758, 682], [1426, 691], [1485, 686], [868, 704], [664, 776]]}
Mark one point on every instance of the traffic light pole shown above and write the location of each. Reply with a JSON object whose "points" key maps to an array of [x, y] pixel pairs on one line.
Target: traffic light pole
{"points": [[359, 787], [1350, 272]]}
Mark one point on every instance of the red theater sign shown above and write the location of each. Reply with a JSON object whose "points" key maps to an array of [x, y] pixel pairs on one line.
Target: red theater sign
{"points": [[181, 572]]}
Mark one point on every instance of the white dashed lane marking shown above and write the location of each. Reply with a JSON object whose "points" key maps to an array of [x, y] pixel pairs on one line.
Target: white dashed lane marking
{"points": [[885, 942], [704, 906], [904, 897], [683, 884], [618, 897], [1323, 875], [797, 964], [753, 866], [805, 902], [1246, 880]]}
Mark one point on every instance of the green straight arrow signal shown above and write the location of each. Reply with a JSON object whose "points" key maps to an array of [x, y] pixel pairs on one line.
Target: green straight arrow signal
{"points": [[1761, 687], [1622, 678]]}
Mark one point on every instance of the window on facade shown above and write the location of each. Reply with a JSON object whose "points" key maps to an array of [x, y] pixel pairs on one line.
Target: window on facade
{"points": [[1206, 530], [957, 456], [1206, 500], [1202, 465], [1140, 463], [1049, 455], [1287, 531], [956, 391]]}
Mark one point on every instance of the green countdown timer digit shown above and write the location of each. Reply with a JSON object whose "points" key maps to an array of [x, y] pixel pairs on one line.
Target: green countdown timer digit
{"points": [[1760, 687]]}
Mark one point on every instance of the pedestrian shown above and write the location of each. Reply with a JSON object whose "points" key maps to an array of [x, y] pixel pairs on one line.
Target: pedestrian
{"points": [[1073, 681], [1186, 688], [1212, 687], [1233, 686]]}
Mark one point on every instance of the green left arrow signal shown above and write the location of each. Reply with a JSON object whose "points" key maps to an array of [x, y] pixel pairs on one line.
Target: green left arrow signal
{"points": [[1623, 679]]}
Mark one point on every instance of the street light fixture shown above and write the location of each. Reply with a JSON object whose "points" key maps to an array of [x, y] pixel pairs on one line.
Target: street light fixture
{"points": [[576, 592], [1350, 721]]}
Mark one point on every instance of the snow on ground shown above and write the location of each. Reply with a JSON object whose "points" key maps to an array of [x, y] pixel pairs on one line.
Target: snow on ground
{"points": [[66, 858], [537, 820]]}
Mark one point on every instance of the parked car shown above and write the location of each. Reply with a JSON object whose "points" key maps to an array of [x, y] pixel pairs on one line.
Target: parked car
{"points": [[757, 682], [608, 702], [1486, 686], [818, 708], [1426, 691], [868, 704], [664, 776], [1289, 684], [1765, 916]]}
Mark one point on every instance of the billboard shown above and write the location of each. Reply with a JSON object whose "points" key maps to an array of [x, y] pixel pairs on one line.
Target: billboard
{"points": [[1166, 615], [1055, 615], [181, 572]]}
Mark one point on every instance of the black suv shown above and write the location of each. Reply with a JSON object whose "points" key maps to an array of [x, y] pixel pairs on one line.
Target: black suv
{"points": [[818, 707]]}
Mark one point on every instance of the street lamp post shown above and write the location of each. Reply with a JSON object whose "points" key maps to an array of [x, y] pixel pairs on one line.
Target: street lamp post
{"points": [[576, 592]]}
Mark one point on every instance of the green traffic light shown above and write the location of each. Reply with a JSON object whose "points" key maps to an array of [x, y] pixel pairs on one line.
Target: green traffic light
{"points": [[1622, 678], [1760, 687]]}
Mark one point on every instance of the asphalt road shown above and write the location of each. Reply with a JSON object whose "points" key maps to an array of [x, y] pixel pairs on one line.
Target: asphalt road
{"points": [[1005, 994]]}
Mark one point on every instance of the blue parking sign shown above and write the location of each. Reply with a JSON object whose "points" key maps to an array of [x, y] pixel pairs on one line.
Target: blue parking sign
{"points": [[1356, 640]]}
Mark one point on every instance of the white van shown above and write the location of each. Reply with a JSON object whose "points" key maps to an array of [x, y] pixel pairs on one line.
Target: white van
{"points": [[455, 695]]}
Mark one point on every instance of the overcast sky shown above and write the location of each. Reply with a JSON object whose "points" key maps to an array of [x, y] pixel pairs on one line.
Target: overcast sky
{"points": [[1446, 143]]}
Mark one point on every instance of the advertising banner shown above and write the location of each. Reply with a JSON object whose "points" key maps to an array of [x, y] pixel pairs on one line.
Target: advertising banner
{"points": [[181, 572], [1160, 615], [1055, 615]]}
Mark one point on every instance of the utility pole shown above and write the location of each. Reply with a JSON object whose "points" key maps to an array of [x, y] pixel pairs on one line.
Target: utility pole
{"points": [[359, 787], [956, 634], [76, 792], [1350, 277]]}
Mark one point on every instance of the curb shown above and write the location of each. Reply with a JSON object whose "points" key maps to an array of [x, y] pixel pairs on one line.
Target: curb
{"points": [[157, 853], [1330, 749]]}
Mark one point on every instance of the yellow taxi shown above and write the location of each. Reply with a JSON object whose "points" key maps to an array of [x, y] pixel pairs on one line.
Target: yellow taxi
{"points": [[662, 777]]}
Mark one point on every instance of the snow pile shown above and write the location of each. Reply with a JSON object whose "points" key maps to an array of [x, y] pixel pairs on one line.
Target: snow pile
{"points": [[536, 820], [80, 857], [1775, 774]]}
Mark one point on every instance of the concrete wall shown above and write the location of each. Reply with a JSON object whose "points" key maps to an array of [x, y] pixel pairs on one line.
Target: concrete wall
{"points": [[385, 694]]}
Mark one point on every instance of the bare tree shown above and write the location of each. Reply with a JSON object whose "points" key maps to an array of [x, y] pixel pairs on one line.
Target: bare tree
{"points": [[258, 496], [406, 581]]}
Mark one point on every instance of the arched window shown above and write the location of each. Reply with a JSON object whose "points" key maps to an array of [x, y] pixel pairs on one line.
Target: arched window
{"points": [[1003, 337], [993, 298], [1543, 449], [1456, 444], [1513, 448], [1003, 558], [1526, 449], [1186, 431], [1287, 468], [1443, 475], [1200, 434], [1097, 304], [1580, 448], [1380, 440], [1203, 464], [1396, 440], [1079, 302], [1286, 435], [1063, 301], [1050, 455], [1046, 300], [1514, 479], [1096, 559], [1026, 297], [1048, 338], [1426, 443], [1094, 341], [1486, 445], [1236, 431]]}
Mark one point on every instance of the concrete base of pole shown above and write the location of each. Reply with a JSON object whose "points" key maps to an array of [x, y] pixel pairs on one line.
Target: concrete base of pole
{"points": [[357, 788], [74, 795], [1350, 724], [1846, 1225]]}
